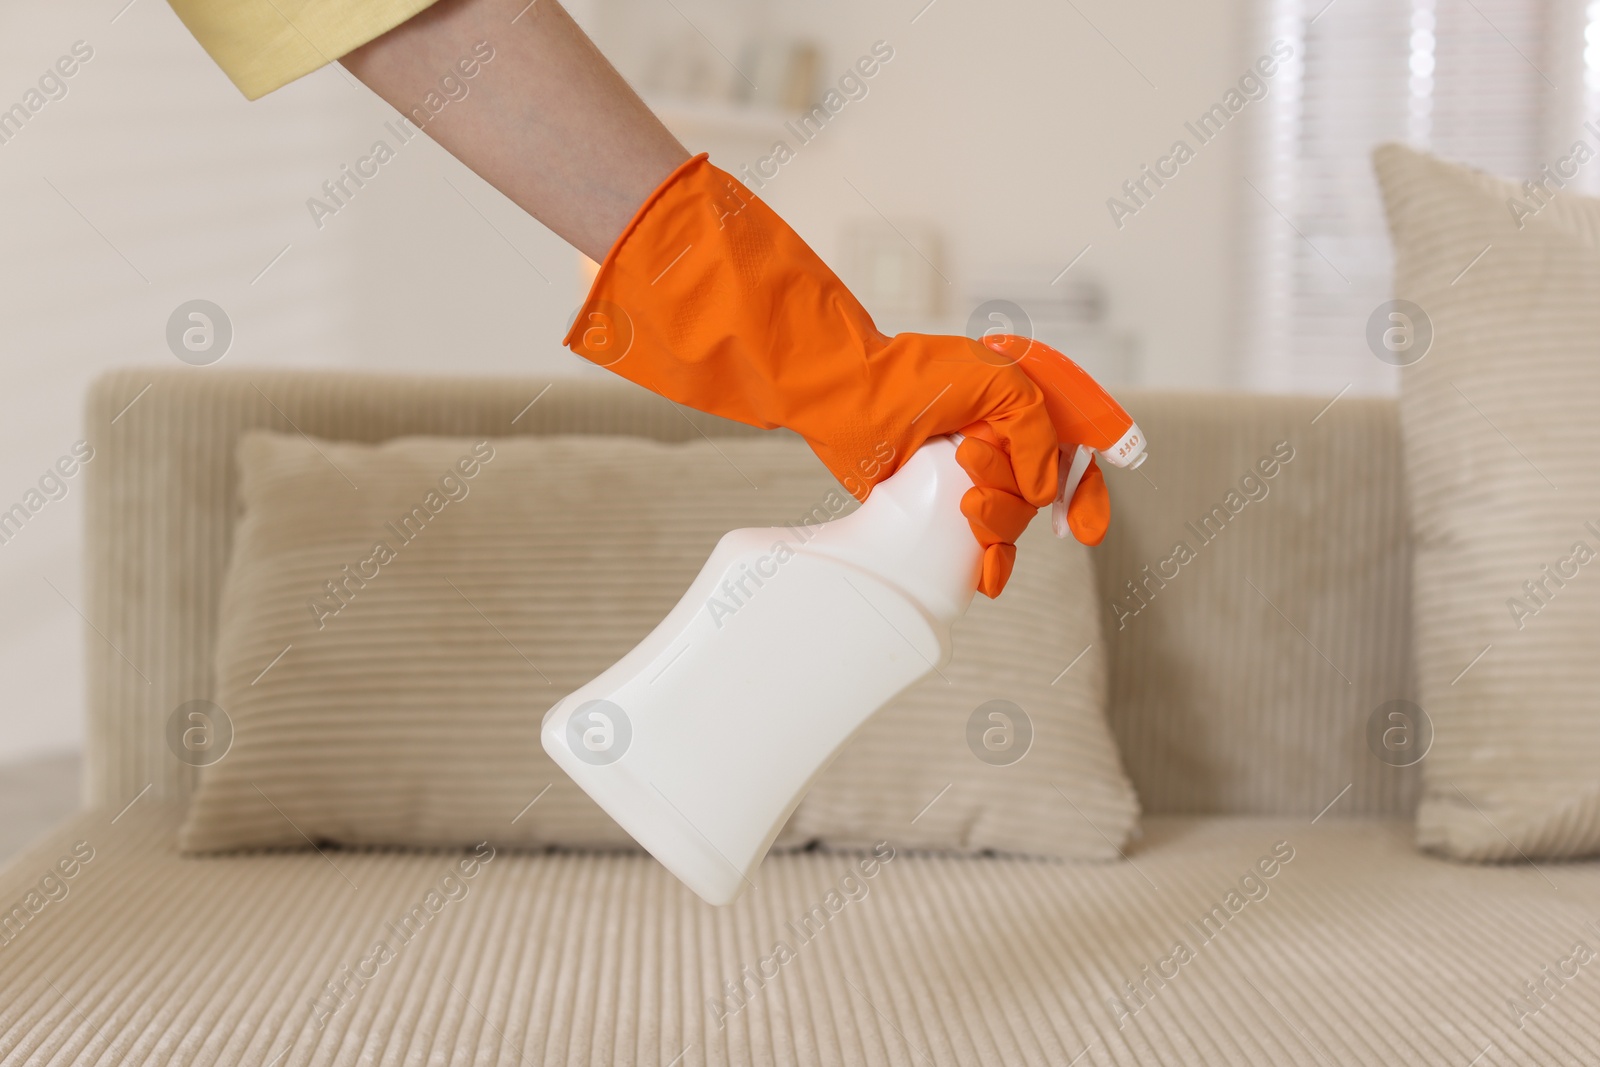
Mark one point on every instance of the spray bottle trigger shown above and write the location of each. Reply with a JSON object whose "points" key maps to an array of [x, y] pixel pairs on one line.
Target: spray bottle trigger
{"points": [[1074, 461]]}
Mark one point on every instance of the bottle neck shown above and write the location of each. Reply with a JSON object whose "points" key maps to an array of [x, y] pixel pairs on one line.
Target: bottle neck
{"points": [[911, 533]]}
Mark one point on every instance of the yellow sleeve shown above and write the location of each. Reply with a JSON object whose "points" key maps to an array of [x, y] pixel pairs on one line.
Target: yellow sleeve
{"points": [[264, 44]]}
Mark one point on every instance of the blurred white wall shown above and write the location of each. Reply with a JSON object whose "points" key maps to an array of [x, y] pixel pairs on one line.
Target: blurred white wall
{"points": [[1002, 126], [1008, 125]]}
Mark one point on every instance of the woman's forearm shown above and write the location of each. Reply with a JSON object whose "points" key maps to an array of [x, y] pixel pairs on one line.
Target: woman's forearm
{"points": [[549, 122]]}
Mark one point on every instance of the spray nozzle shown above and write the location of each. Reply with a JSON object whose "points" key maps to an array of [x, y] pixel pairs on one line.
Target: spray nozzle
{"points": [[1088, 421], [1128, 453]]}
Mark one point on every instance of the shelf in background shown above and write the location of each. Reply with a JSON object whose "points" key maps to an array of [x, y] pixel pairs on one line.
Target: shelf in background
{"points": [[718, 118]]}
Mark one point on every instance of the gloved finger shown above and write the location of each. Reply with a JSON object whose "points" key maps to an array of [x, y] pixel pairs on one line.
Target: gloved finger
{"points": [[1082, 412], [980, 456], [1028, 438], [1089, 510], [997, 563], [988, 388], [995, 512], [996, 516]]}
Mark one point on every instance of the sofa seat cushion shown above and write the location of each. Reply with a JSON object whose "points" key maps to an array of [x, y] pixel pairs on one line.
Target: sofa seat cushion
{"points": [[1355, 950]]}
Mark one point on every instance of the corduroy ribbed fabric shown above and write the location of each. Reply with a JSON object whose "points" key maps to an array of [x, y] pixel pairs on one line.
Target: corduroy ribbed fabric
{"points": [[1218, 703], [1355, 951], [1255, 621], [1502, 448], [1361, 951], [160, 511], [397, 618]]}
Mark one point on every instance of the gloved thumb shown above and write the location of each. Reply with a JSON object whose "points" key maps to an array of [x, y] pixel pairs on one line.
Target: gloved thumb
{"points": [[1089, 510]]}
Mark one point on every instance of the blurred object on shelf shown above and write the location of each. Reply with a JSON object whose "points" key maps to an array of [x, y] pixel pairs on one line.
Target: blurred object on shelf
{"points": [[1069, 313], [784, 74], [1075, 299], [727, 79], [684, 65], [894, 268], [692, 121], [1070, 316]]}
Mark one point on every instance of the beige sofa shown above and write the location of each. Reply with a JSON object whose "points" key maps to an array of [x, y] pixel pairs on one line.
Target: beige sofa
{"points": [[1241, 694]]}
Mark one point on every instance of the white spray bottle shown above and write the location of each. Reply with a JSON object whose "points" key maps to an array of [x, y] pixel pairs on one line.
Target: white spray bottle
{"points": [[701, 741]]}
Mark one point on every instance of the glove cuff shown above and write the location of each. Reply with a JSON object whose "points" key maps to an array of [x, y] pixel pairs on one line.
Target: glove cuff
{"points": [[711, 300], [679, 175]]}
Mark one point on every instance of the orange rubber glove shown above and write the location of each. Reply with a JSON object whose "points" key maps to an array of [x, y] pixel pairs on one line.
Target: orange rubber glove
{"points": [[709, 299], [1082, 413]]}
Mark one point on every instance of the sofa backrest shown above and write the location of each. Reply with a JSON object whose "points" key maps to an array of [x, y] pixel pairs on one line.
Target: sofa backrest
{"points": [[1257, 606], [1243, 684]]}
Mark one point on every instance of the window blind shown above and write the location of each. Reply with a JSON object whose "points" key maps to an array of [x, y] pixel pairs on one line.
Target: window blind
{"points": [[1502, 85]]}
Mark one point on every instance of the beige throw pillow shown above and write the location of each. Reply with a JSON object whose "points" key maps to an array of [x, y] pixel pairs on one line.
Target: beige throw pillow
{"points": [[1501, 422], [1007, 748], [397, 618]]}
